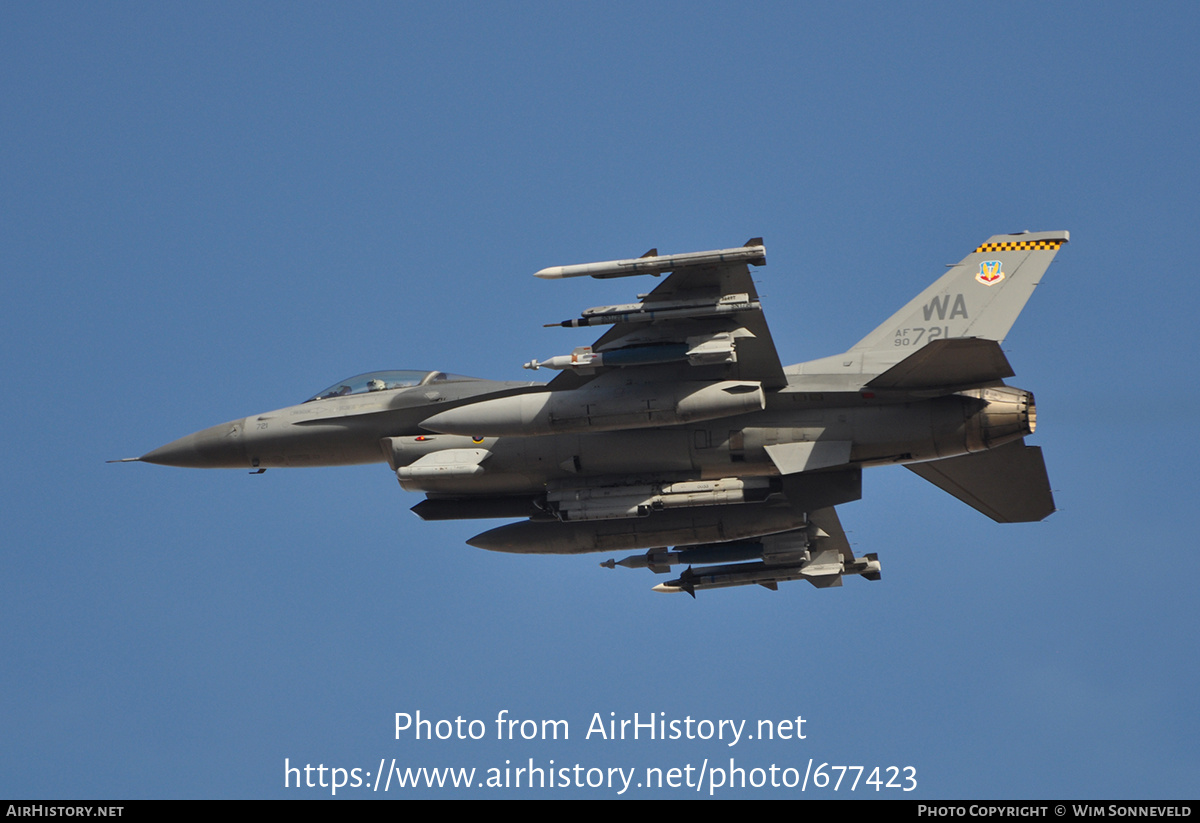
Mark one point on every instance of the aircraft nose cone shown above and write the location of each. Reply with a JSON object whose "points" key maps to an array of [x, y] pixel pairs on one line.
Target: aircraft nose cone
{"points": [[219, 447]]}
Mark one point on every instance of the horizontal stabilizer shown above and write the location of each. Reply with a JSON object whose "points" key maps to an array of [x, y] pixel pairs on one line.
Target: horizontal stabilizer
{"points": [[951, 363], [1009, 484]]}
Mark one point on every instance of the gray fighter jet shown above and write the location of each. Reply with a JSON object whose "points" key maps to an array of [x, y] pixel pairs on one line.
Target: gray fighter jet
{"points": [[680, 435]]}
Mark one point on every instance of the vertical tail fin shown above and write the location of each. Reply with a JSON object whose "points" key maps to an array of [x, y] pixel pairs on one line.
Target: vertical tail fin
{"points": [[979, 297]]}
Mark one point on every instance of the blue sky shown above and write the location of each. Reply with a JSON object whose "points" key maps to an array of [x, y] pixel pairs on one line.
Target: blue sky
{"points": [[215, 210]]}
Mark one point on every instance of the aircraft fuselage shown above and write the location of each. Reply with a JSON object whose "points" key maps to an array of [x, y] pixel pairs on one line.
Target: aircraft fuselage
{"points": [[385, 427]]}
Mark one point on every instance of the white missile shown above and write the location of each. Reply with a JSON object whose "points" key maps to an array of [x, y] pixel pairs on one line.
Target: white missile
{"points": [[819, 574], [755, 255]]}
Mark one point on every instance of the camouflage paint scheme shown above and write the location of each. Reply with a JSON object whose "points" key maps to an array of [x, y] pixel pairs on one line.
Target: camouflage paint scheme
{"points": [[680, 435]]}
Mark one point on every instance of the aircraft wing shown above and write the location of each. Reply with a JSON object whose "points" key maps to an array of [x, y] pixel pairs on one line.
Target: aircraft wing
{"points": [[704, 322]]}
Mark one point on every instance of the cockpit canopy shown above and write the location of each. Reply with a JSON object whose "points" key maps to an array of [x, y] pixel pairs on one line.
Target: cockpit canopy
{"points": [[383, 381]]}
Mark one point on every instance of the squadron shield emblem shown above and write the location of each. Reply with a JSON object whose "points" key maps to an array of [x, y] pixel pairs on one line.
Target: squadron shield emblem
{"points": [[990, 272]]}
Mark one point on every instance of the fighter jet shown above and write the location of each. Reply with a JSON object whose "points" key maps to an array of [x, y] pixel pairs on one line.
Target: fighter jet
{"points": [[679, 434]]}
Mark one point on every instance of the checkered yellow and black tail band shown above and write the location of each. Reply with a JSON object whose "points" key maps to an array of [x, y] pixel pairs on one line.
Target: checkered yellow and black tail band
{"points": [[1020, 245]]}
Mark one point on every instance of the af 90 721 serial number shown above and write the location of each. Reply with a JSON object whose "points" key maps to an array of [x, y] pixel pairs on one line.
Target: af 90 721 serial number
{"points": [[917, 335]]}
